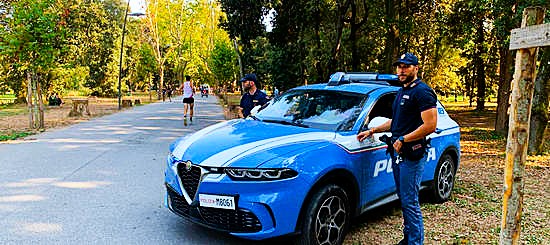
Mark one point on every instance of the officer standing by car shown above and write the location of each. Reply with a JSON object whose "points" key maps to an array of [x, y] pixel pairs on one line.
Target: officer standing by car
{"points": [[252, 95], [414, 117]]}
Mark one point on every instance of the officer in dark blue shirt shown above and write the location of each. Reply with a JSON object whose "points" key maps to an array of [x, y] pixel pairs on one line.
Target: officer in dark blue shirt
{"points": [[253, 96], [414, 117]]}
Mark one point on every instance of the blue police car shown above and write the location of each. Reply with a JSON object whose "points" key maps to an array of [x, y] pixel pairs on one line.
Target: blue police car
{"points": [[296, 167]]}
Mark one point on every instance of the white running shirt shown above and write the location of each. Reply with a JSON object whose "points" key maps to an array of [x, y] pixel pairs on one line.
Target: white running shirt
{"points": [[187, 90]]}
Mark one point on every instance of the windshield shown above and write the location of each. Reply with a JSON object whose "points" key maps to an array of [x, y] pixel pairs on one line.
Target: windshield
{"points": [[328, 110]]}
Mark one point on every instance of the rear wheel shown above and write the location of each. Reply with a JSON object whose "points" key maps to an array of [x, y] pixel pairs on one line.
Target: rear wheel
{"points": [[327, 217], [444, 178]]}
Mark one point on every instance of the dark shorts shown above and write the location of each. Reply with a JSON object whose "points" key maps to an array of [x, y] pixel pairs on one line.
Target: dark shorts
{"points": [[189, 100]]}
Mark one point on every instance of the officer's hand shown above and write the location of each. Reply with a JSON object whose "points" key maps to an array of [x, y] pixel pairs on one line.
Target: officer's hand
{"points": [[363, 135], [397, 146]]}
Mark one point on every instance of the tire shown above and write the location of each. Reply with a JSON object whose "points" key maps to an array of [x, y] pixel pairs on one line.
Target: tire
{"points": [[327, 217], [444, 179]]}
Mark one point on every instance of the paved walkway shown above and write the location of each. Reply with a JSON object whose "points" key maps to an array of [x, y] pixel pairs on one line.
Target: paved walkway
{"points": [[100, 181]]}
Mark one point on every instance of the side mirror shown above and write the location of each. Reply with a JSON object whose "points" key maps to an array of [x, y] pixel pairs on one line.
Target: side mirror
{"points": [[255, 110], [258, 108], [377, 121]]}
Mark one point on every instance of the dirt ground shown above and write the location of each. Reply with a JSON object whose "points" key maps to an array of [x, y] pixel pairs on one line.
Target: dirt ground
{"points": [[56, 116], [472, 216]]}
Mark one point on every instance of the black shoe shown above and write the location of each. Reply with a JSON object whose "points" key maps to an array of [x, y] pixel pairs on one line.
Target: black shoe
{"points": [[191, 119]]}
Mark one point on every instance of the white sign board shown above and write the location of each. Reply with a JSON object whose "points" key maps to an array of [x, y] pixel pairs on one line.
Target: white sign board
{"points": [[530, 37]]}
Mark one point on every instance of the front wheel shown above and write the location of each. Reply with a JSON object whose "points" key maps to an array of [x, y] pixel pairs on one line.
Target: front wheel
{"points": [[327, 217], [444, 178]]}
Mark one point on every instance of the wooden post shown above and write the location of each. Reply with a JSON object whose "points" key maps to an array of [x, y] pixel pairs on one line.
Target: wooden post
{"points": [[29, 99], [35, 98], [518, 133], [40, 105]]}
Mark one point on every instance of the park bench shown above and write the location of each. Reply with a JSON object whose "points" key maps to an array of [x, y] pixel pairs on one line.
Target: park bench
{"points": [[127, 103], [80, 107]]}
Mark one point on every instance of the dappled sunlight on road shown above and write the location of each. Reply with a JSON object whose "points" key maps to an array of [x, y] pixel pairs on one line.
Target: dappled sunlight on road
{"points": [[83, 141], [110, 127], [81, 184], [164, 118], [42, 227], [8, 208], [21, 198], [41, 182], [148, 128], [31, 182]]}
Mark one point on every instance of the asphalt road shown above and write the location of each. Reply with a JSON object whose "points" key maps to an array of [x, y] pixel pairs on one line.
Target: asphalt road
{"points": [[101, 181]]}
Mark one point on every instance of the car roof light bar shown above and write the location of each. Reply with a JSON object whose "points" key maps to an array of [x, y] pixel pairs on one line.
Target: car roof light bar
{"points": [[339, 78]]}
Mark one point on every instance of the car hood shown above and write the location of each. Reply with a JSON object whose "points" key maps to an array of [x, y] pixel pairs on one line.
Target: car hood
{"points": [[246, 143]]}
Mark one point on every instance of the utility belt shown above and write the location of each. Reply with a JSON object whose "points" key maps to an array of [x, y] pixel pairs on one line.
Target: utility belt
{"points": [[414, 150]]}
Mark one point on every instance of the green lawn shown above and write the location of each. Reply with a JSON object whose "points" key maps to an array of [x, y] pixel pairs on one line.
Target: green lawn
{"points": [[7, 110]]}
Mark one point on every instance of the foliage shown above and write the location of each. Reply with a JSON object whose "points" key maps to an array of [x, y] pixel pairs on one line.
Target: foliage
{"points": [[223, 63], [95, 29], [244, 23]]}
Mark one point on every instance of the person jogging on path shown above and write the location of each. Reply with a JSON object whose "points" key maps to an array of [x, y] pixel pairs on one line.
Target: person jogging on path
{"points": [[188, 100]]}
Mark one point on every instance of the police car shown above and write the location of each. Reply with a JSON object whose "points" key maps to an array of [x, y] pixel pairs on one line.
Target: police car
{"points": [[296, 167]]}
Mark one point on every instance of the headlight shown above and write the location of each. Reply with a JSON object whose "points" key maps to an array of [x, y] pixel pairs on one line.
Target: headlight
{"points": [[260, 174], [172, 158]]}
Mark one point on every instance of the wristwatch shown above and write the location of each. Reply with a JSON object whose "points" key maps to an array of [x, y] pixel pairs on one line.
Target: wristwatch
{"points": [[402, 139]]}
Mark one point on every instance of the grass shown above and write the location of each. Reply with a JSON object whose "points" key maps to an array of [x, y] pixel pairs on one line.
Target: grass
{"points": [[7, 96], [14, 135], [7, 110]]}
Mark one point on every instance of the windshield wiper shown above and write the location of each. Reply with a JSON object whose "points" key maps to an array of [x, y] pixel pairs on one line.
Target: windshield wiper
{"points": [[287, 123], [255, 118]]}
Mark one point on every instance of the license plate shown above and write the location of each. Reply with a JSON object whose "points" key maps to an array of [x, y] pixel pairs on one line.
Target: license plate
{"points": [[217, 201]]}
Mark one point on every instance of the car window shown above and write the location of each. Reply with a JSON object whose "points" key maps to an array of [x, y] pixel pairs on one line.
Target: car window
{"points": [[329, 110], [383, 107]]}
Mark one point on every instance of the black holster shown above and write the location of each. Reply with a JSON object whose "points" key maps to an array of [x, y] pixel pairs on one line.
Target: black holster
{"points": [[415, 150]]}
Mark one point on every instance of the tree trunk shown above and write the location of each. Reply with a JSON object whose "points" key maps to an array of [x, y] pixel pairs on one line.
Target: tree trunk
{"points": [[479, 64], [353, 38], [518, 134], [332, 65], [40, 103], [241, 69], [503, 99], [35, 105], [539, 113], [29, 100], [392, 37], [160, 95]]}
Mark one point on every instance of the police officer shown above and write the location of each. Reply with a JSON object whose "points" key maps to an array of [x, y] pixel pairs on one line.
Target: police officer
{"points": [[252, 96], [414, 117]]}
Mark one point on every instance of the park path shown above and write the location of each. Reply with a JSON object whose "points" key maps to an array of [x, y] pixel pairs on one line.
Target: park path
{"points": [[100, 181]]}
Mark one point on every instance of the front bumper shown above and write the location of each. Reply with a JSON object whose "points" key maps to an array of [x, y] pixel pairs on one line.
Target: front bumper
{"points": [[264, 209], [240, 220]]}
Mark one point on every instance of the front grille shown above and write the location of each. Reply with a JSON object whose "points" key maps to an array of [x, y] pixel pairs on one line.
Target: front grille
{"points": [[240, 220], [177, 202], [190, 179]]}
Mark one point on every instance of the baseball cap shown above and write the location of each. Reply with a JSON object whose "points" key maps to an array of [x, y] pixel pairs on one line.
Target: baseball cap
{"points": [[249, 77], [407, 59]]}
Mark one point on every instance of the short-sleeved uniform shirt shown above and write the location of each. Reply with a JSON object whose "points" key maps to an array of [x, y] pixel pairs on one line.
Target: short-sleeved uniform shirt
{"points": [[249, 101], [408, 105]]}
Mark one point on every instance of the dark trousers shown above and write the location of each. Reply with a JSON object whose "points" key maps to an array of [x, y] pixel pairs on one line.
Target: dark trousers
{"points": [[407, 175]]}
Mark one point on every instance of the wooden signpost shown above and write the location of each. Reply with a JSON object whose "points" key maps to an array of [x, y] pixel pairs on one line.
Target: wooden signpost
{"points": [[526, 40]]}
